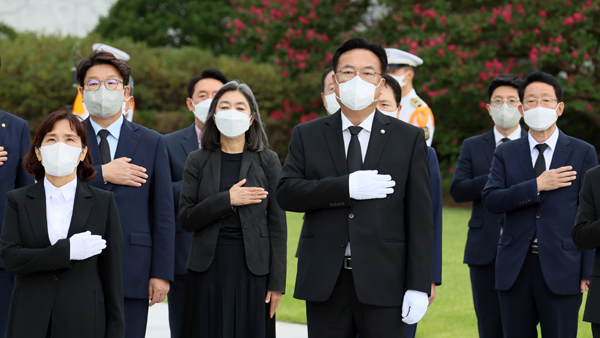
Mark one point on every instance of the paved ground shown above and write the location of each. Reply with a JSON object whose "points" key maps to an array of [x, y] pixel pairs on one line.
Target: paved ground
{"points": [[158, 325]]}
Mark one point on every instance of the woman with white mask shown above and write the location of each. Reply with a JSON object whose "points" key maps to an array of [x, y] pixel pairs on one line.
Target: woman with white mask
{"points": [[62, 239], [237, 262]]}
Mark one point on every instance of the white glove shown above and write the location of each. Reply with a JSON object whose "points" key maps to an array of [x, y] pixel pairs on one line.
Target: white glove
{"points": [[85, 245], [367, 184], [414, 306]]}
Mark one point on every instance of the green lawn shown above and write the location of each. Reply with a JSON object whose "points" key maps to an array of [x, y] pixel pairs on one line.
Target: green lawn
{"points": [[451, 314]]}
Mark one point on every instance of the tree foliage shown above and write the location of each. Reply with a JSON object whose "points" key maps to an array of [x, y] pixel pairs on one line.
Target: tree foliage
{"points": [[168, 23]]}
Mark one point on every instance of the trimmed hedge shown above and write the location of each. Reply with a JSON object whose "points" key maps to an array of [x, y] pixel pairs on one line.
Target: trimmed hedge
{"points": [[36, 78]]}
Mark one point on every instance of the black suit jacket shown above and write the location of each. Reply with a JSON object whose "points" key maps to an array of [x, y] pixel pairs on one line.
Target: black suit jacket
{"points": [[470, 176], [179, 145], [14, 137], [586, 235], [392, 238], [202, 206], [84, 298]]}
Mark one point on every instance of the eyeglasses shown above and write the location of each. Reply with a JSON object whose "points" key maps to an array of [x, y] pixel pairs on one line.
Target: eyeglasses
{"points": [[547, 102], [110, 84], [498, 102], [347, 74]]}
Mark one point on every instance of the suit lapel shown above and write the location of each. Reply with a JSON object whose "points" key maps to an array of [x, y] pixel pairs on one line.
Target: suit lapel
{"points": [[36, 210], [93, 143], [489, 146], [524, 156], [190, 140], [247, 157], [128, 140], [215, 163], [335, 142], [380, 132], [82, 206], [3, 127]]}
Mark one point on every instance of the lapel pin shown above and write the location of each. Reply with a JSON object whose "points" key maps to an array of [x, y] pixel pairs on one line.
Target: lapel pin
{"points": [[382, 131], [3, 125]]}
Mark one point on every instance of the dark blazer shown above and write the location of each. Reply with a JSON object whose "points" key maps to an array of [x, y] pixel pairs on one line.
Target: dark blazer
{"points": [[14, 137], [179, 145], [146, 212], [84, 298], [586, 235], [436, 195], [202, 206], [470, 176], [387, 235], [512, 189]]}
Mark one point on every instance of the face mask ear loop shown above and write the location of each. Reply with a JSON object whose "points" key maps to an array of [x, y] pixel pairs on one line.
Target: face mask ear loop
{"points": [[379, 95], [336, 81]]}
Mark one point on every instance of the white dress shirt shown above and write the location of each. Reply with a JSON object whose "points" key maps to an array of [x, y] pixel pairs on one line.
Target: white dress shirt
{"points": [[114, 132], [59, 209], [551, 142], [363, 138], [513, 136], [363, 135]]}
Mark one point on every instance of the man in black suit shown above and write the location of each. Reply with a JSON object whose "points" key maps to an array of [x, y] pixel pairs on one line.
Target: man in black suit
{"points": [[179, 145], [470, 177], [14, 144], [362, 265], [586, 235]]}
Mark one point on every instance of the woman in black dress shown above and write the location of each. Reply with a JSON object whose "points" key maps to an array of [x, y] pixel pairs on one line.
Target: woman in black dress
{"points": [[237, 262]]}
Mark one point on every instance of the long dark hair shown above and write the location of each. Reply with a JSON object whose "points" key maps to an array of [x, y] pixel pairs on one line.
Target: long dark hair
{"points": [[31, 164], [256, 137]]}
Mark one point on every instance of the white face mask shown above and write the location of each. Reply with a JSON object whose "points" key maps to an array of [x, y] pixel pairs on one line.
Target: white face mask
{"points": [[393, 114], [540, 118], [201, 110], [127, 113], [232, 123], [332, 104], [400, 79], [60, 159], [357, 94], [505, 116], [103, 102]]}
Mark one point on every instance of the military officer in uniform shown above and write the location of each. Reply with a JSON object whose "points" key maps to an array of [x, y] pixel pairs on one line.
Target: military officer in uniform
{"points": [[402, 66]]}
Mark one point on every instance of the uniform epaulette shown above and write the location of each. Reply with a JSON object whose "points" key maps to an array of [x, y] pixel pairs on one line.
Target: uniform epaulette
{"points": [[416, 102]]}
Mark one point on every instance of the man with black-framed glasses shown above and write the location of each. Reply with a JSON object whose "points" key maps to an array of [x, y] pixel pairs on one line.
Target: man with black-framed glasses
{"points": [[534, 182], [470, 176], [132, 162], [364, 265]]}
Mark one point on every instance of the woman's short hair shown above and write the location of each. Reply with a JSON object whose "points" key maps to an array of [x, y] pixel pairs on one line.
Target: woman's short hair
{"points": [[256, 137], [85, 169]]}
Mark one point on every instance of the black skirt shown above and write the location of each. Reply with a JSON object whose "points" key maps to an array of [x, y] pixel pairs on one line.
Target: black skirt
{"points": [[227, 300]]}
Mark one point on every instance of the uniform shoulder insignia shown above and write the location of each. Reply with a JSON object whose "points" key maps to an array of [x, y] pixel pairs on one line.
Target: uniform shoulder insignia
{"points": [[416, 102]]}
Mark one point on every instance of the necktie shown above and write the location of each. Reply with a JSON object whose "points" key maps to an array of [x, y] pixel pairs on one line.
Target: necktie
{"points": [[104, 147], [506, 139], [540, 163], [354, 158]]}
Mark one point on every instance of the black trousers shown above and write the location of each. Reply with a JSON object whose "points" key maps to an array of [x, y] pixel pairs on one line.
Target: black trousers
{"points": [[136, 317], [530, 302], [7, 281], [176, 302], [343, 316], [595, 330], [485, 300]]}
